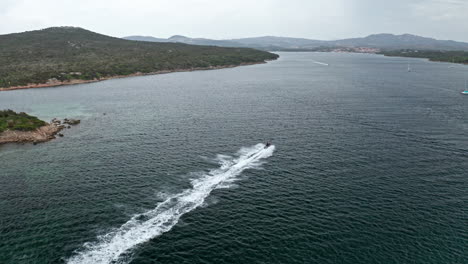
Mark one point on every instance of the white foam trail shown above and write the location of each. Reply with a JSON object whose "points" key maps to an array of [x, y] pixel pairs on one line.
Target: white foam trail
{"points": [[109, 248], [321, 63]]}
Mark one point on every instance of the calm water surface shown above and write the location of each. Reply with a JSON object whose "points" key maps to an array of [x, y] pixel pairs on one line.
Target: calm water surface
{"points": [[369, 166]]}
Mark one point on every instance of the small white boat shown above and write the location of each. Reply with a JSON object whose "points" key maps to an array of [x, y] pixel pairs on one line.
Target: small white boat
{"points": [[466, 89]]}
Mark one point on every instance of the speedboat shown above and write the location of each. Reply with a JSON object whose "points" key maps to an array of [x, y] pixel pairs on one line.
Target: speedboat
{"points": [[464, 92], [267, 144]]}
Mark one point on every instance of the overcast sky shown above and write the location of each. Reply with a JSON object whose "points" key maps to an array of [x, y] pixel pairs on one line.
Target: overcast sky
{"points": [[224, 19]]}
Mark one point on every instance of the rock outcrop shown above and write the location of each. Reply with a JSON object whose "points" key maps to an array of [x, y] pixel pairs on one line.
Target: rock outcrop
{"points": [[42, 134]]}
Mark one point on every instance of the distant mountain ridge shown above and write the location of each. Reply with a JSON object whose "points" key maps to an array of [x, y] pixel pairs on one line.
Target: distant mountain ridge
{"points": [[187, 40], [405, 41], [377, 41]]}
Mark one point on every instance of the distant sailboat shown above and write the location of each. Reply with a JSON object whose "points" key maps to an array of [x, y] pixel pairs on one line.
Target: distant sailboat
{"points": [[409, 67], [466, 88]]}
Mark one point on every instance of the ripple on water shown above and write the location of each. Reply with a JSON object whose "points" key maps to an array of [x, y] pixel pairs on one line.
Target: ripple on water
{"points": [[370, 165]]}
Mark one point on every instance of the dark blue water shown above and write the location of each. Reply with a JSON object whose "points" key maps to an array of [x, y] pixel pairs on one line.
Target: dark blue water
{"points": [[370, 166]]}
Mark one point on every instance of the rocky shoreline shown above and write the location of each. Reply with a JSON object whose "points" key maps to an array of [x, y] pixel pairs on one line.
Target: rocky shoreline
{"points": [[42, 134], [55, 82]]}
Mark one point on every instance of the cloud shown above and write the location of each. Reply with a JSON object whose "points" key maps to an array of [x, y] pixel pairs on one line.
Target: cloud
{"points": [[439, 11], [447, 19], [319, 19], [7, 5], [444, 19]]}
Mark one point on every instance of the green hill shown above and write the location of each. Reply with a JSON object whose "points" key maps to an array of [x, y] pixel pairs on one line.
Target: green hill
{"points": [[18, 121], [66, 53]]}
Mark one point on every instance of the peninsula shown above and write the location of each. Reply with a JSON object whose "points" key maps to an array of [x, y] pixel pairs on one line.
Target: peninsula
{"points": [[70, 55], [21, 128], [433, 55]]}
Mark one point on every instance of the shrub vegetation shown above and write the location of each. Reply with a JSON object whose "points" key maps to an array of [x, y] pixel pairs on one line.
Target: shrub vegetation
{"points": [[10, 120], [67, 53], [433, 55]]}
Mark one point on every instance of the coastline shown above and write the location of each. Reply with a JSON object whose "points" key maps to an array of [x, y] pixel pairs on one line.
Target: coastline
{"points": [[78, 81], [42, 134], [424, 58]]}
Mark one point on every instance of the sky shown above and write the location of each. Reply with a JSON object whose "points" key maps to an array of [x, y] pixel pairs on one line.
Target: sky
{"points": [[226, 19]]}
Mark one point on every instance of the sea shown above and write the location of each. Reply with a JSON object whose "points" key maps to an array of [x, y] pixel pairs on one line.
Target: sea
{"points": [[368, 163]]}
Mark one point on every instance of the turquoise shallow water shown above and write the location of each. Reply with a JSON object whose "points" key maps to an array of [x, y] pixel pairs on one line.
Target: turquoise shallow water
{"points": [[369, 166]]}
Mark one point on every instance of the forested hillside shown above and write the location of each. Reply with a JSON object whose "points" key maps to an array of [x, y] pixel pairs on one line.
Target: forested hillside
{"points": [[66, 53], [433, 55]]}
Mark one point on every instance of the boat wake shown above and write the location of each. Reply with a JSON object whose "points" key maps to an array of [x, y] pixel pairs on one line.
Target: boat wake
{"points": [[321, 63], [114, 246]]}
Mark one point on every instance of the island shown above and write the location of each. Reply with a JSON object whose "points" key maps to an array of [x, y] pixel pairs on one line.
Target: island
{"points": [[21, 127], [70, 55]]}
